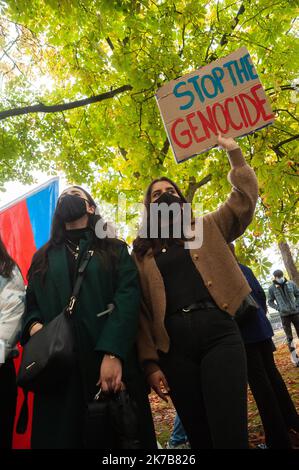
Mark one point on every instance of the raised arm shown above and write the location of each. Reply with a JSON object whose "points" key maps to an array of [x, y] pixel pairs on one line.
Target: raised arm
{"points": [[236, 213]]}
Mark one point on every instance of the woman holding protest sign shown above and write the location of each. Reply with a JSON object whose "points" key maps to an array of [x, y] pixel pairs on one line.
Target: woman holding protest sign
{"points": [[189, 343]]}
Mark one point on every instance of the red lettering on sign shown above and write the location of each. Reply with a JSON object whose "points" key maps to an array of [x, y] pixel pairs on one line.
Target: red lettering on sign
{"points": [[183, 133], [236, 112]]}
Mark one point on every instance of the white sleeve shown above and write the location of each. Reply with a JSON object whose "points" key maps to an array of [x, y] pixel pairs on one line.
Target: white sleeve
{"points": [[12, 301]]}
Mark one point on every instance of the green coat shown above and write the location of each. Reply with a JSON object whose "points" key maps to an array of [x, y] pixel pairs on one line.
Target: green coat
{"points": [[58, 418]]}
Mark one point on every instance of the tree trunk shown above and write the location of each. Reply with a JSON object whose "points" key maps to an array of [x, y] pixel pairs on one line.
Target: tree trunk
{"points": [[289, 262]]}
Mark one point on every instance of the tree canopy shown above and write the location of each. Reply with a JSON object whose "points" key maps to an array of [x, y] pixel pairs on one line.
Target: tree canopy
{"points": [[78, 85]]}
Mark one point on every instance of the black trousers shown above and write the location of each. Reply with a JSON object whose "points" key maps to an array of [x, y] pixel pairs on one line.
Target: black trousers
{"points": [[206, 372], [277, 411], [8, 400], [287, 322]]}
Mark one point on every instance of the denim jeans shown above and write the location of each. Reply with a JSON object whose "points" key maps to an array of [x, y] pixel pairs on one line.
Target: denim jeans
{"points": [[178, 435]]}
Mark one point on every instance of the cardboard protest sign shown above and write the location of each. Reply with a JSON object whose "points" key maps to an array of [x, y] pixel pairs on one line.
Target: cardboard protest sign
{"points": [[225, 96]]}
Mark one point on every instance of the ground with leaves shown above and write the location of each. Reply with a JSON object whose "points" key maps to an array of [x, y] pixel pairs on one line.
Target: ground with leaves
{"points": [[164, 413]]}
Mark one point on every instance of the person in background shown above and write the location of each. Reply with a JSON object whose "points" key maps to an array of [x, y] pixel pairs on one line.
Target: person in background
{"points": [[284, 297], [278, 413], [187, 334], [105, 338], [12, 296]]}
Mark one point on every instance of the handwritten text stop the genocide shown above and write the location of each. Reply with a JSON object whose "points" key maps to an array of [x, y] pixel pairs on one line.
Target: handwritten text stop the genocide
{"points": [[238, 112]]}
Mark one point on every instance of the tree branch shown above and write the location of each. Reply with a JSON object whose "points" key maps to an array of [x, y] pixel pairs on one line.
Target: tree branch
{"points": [[164, 151], [194, 186], [123, 152], [42, 108], [285, 111], [183, 41], [295, 137], [290, 174], [210, 57], [224, 39], [110, 43], [282, 87], [282, 130], [165, 147]]}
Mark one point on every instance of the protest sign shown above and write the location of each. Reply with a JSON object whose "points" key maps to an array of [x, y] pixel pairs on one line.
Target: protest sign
{"points": [[225, 96]]}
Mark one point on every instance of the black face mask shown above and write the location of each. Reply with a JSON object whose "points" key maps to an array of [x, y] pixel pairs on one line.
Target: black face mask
{"points": [[171, 220], [168, 199], [71, 207]]}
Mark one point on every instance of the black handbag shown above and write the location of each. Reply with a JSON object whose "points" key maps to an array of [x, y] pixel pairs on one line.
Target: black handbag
{"points": [[49, 355], [247, 308], [111, 422]]}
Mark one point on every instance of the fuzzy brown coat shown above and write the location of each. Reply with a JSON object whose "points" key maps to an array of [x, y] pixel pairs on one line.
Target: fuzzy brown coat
{"points": [[214, 261]]}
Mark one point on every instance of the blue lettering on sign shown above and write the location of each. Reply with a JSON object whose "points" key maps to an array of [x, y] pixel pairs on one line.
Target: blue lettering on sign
{"points": [[194, 81], [180, 94], [250, 67], [210, 85], [206, 92], [228, 65], [240, 70], [218, 74]]}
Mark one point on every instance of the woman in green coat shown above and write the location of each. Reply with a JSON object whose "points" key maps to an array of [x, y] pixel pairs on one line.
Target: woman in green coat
{"points": [[106, 354]]}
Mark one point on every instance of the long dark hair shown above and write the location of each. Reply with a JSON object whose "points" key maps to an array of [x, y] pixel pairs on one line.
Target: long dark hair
{"points": [[104, 247], [141, 245], [6, 262]]}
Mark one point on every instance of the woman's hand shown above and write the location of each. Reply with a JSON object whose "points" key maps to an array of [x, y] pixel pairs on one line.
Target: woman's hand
{"points": [[35, 328], [227, 143], [110, 374], [157, 380]]}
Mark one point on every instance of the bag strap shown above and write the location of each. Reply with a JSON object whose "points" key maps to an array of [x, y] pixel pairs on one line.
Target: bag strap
{"points": [[79, 280]]}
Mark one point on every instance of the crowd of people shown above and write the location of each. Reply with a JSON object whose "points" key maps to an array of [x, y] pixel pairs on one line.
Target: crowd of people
{"points": [[173, 327]]}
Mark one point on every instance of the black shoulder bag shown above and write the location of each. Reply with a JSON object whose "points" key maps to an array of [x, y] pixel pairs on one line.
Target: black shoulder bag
{"points": [[49, 355]]}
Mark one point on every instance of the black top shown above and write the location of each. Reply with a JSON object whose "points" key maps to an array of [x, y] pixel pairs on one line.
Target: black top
{"points": [[72, 241], [183, 283], [73, 238]]}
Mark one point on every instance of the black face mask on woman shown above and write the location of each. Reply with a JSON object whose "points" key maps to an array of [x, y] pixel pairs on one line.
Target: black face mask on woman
{"points": [[168, 199], [172, 219], [71, 207]]}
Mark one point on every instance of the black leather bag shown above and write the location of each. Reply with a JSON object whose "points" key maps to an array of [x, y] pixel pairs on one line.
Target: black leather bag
{"points": [[248, 308], [111, 422], [49, 355]]}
